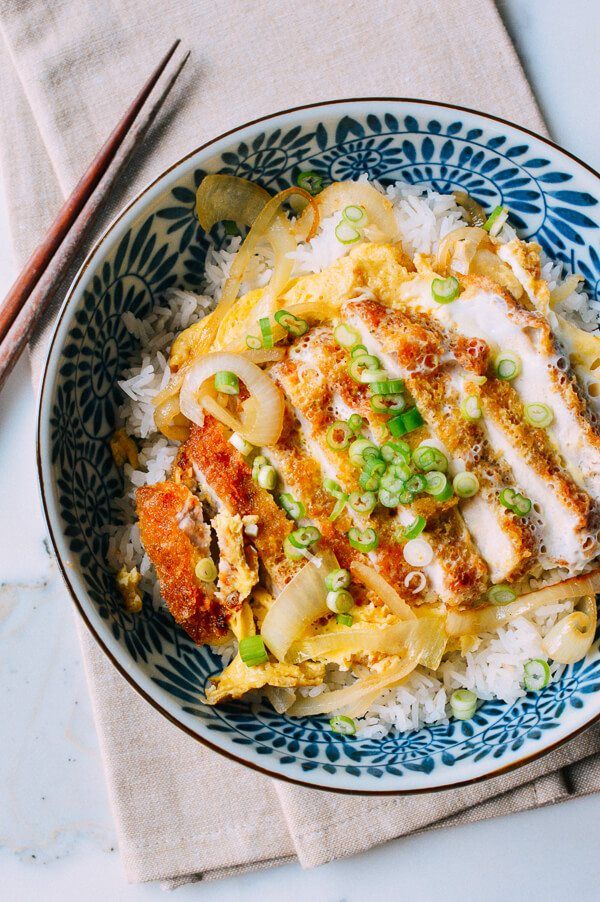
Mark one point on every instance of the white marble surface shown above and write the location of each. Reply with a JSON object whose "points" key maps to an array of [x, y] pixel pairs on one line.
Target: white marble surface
{"points": [[56, 833]]}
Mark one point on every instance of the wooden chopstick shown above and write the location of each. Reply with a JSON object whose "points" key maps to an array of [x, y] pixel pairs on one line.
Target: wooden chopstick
{"points": [[43, 273]]}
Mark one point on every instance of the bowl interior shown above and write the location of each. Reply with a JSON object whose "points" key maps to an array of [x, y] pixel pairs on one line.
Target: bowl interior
{"points": [[156, 244]]}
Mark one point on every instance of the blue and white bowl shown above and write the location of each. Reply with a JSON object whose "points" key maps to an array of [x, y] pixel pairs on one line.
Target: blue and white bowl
{"points": [[155, 244]]}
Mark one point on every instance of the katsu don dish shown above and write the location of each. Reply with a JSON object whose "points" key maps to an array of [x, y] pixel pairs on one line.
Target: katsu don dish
{"points": [[363, 465]]}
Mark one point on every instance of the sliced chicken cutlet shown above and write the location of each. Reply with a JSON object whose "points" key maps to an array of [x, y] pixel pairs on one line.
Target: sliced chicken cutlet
{"points": [[175, 539]]}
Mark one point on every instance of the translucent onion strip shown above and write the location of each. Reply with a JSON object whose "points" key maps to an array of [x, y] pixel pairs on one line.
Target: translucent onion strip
{"points": [[460, 246], [337, 197], [571, 638], [263, 411], [376, 582], [361, 638], [484, 620]]}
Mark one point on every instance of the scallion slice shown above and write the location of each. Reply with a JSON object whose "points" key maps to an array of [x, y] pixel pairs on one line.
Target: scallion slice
{"points": [[507, 498], [427, 458], [253, 342], [388, 403], [471, 408], [501, 595], [338, 508], [392, 482], [291, 552], [463, 704], [337, 579], [445, 290], [355, 214], [345, 335], [507, 365], [362, 502], [438, 486], [465, 485], [405, 422], [343, 725], [227, 383], [266, 331], [339, 601], [338, 436], [346, 233], [363, 540], [360, 449], [416, 483], [365, 369], [355, 422], [358, 351], [521, 505], [252, 651], [387, 498], [344, 619], [388, 387], [539, 415], [496, 220], [257, 464], [415, 528], [311, 182], [240, 444], [295, 509], [536, 675], [267, 477], [206, 570], [332, 487], [393, 452], [292, 324], [375, 465], [369, 481], [304, 536]]}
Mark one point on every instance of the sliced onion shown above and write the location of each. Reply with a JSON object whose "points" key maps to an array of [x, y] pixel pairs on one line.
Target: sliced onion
{"points": [[169, 419], [475, 214], [361, 638], [562, 292], [487, 263], [376, 582], [571, 638], [263, 419], [339, 195], [301, 603], [488, 619], [418, 578], [354, 700], [468, 238]]}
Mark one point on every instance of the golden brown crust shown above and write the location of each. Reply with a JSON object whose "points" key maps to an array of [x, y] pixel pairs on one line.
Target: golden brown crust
{"points": [[174, 557]]}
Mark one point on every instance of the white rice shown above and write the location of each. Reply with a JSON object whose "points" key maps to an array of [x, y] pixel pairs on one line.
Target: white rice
{"points": [[494, 669]]}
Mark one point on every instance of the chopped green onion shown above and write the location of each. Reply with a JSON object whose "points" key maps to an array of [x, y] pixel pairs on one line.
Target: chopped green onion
{"points": [[338, 508], [536, 675], [253, 342], [539, 415], [206, 570], [267, 477], [344, 619], [332, 487], [337, 579], [346, 233], [369, 481], [360, 449], [338, 436], [252, 651], [358, 351], [266, 332], [496, 220], [405, 422], [405, 496], [507, 498], [363, 540], [304, 536], [445, 290], [240, 444], [362, 502], [311, 182], [292, 324], [463, 703], [388, 403], [426, 458], [365, 368], [257, 464], [291, 552], [355, 422], [507, 365], [231, 228], [295, 509], [227, 383], [343, 725], [392, 482], [521, 505], [389, 387], [394, 452], [345, 335], [415, 528], [465, 485], [416, 483], [387, 498], [355, 214], [438, 486], [471, 408], [375, 466], [501, 595], [339, 601]]}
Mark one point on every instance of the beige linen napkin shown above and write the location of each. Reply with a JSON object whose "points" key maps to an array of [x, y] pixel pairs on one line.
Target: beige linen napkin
{"points": [[68, 69]]}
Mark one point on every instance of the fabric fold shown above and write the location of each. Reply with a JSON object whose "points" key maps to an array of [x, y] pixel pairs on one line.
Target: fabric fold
{"points": [[70, 68]]}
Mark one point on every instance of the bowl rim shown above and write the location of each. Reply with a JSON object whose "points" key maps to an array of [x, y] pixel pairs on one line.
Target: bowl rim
{"points": [[43, 401]]}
